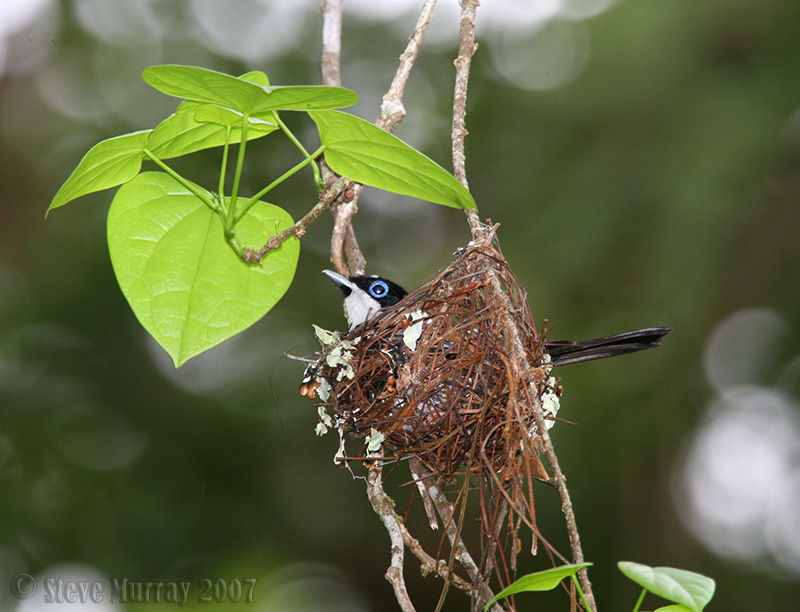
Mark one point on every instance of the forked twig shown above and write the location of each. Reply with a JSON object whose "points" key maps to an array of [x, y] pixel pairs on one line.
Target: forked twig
{"points": [[346, 255], [342, 187]]}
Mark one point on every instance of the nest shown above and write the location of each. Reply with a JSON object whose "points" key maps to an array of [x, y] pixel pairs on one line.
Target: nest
{"points": [[448, 375]]}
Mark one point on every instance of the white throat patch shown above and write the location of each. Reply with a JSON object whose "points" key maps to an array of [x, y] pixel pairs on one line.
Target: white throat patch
{"points": [[359, 307]]}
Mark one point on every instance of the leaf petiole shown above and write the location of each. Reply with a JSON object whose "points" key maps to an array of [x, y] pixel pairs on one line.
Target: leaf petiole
{"points": [[577, 584], [206, 197], [639, 601], [224, 168], [230, 216], [314, 166], [297, 167]]}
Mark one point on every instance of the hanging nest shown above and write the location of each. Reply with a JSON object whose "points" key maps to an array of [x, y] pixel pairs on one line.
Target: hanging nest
{"points": [[439, 375]]}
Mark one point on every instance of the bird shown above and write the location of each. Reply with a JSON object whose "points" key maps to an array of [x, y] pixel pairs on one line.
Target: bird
{"points": [[366, 296]]}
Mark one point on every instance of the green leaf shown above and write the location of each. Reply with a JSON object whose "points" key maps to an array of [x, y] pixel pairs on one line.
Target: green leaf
{"points": [[107, 164], [183, 281], [219, 115], [545, 580], [673, 608], [305, 98], [257, 77], [182, 132], [246, 94], [367, 154], [202, 85], [687, 588]]}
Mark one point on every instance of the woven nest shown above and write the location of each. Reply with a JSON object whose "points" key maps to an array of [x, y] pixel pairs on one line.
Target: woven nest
{"points": [[439, 374]]}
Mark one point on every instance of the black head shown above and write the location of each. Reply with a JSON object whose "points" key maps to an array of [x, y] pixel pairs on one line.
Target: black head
{"points": [[364, 296], [383, 290]]}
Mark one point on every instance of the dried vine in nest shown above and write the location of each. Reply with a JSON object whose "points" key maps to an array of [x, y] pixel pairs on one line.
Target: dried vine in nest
{"points": [[438, 377]]}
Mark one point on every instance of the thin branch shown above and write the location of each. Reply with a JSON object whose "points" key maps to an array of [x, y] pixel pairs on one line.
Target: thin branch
{"points": [[566, 503], [466, 49], [384, 508], [346, 255], [341, 187], [392, 109], [331, 42], [521, 361]]}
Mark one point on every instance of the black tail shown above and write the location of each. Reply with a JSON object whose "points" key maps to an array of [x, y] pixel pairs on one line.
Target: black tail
{"points": [[563, 352]]}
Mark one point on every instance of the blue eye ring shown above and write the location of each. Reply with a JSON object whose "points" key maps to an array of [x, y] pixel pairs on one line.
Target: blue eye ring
{"points": [[378, 289]]}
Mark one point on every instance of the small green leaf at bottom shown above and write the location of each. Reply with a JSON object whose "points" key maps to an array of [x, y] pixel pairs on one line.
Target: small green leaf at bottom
{"points": [[683, 587], [545, 580], [183, 281]]}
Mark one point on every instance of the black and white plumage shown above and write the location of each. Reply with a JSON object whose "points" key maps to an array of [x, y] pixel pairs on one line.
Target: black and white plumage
{"points": [[365, 296]]}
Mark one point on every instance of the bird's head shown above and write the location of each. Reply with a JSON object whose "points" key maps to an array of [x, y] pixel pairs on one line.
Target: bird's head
{"points": [[364, 296]]}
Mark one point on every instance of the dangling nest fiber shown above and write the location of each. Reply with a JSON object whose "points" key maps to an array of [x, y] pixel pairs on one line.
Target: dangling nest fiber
{"points": [[438, 375]]}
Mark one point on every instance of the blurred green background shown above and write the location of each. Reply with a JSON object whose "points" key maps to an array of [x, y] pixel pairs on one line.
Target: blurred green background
{"points": [[643, 160]]}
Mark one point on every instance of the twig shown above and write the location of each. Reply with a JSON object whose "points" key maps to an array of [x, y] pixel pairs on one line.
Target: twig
{"points": [[521, 361], [429, 564], [384, 508], [342, 186], [331, 42], [466, 49], [346, 255], [419, 474], [392, 109], [566, 503], [447, 514]]}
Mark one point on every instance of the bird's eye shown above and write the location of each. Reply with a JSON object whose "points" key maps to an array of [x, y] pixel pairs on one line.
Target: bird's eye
{"points": [[378, 289]]}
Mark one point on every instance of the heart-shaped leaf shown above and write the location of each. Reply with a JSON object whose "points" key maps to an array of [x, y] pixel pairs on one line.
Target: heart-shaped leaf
{"points": [[687, 588], [107, 164], [545, 580], [367, 154], [184, 283]]}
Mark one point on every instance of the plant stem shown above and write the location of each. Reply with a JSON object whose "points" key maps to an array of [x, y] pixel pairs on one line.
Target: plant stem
{"points": [[317, 175], [201, 193], [230, 216], [639, 601], [297, 167], [577, 584], [221, 189]]}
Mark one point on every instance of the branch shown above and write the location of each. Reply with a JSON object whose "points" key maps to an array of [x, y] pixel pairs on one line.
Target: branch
{"points": [[331, 42], [566, 502], [521, 360], [346, 255], [466, 49], [392, 109], [384, 508], [340, 187]]}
